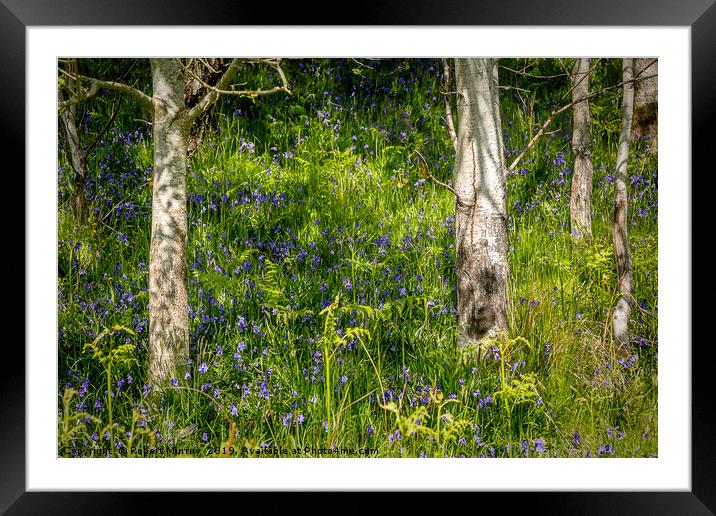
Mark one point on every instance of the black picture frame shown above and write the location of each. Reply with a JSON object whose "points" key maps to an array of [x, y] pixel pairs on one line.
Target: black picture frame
{"points": [[700, 15]]}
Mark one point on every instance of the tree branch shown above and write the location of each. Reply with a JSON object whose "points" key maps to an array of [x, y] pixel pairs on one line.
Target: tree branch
{"points": [[556, 112], [145, 99], [523, 72], [208, 66], [432, 177], [362, 64], [505, 87], [221, 87], [78, 96], [585, 75]]}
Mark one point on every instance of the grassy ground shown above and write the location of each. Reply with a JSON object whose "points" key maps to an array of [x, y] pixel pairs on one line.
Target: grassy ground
{"points": [[322, 287]]}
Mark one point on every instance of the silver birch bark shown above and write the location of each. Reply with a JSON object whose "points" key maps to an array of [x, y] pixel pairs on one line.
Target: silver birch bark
{"points": [[480, 189], [646, 104], [168, 305], [449, 119], [580, 206], [68, 116], [622, 311]]}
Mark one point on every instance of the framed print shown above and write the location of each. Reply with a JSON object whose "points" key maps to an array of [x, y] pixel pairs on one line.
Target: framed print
{"points": [[337, 339]]}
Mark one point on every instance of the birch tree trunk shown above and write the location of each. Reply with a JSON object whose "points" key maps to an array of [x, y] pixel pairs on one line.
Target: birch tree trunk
{"points": [[646, 104], [580, 206], [480, 205], [622, 311], [68, 116], [168, 305]]}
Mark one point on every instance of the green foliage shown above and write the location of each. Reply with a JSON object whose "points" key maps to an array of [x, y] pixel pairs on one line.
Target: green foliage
{"points": [[441, 437], [120, 356]]}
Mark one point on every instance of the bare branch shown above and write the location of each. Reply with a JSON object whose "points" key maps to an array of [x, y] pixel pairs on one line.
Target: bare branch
{"points": [[523, 72], [556, 112], [212, 94], [77, 96], [211, 68], [645, 68], [504, 87], [362, 64], [145, 99], [432, 177], [584, 77], [199, 79], [221, 86]]}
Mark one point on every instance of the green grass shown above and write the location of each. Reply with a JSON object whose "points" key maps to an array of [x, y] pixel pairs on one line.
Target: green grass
{"points": [[329, 272]]}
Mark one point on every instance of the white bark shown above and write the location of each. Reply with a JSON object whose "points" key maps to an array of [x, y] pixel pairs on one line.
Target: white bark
{"points": [[68, 116], [168, 305], [622, 311], [449, 119], [480, 188], [580, 207]]}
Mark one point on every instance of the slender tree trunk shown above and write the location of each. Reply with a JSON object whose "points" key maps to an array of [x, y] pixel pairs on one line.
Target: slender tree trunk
{"points": [[168, 306], [646, 102], [580, 207], [78, 164], [620, 317], [449, 119], [481, 238], [77, 157]]}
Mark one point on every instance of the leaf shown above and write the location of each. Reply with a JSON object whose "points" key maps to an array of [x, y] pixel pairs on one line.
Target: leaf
{"points": [[118, 327], [332, 306]]}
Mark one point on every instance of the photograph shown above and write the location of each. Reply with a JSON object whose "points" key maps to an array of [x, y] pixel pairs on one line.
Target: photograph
{"points": [[357, 257]]}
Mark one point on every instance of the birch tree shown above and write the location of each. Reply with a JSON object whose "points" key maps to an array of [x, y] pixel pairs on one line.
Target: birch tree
{"points": [[481, 216], [168, 305], [172, 120], [69, 97], [580, 206], [622, 311]]}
